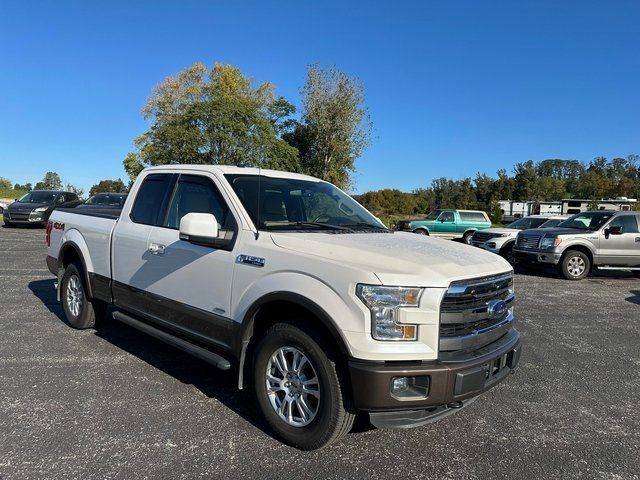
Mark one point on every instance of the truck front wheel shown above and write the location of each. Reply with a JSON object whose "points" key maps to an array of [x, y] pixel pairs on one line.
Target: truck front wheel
{"points": [[300, 389], [80, 311], [575, 265]]}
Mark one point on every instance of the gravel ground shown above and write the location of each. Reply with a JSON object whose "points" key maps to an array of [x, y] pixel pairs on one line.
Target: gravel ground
{"points": [[114, 403]]}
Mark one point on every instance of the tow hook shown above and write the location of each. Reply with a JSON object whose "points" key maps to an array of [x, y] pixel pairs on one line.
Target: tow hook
{"points": [[457, 404]]}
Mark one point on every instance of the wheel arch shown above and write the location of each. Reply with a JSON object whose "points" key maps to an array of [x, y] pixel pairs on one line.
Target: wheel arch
{"points": [[258, 319], [71, 252], [581, 248], [425, 229]]}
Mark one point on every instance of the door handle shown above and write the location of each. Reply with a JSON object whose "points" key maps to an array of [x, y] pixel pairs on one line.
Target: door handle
{"points": [[156, 249]]}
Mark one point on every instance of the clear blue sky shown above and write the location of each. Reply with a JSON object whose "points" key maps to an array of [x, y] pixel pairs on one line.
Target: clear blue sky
{"points": [[452, 87]]}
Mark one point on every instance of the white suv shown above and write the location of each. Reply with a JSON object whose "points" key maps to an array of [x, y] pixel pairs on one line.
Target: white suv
{"points": [[502, 240]]}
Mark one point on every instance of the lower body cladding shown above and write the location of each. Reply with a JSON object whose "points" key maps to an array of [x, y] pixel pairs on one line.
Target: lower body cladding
{"points": [[410, 394]]}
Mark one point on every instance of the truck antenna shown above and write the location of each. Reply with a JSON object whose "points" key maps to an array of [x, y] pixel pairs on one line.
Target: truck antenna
{"points": [[258, 209]]}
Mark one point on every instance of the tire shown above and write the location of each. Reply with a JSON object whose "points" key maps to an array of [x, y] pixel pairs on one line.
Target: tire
{"points": [[575, 265], [421, 231], [507, 254], [80, 311], [326, 403], [466, 238]]}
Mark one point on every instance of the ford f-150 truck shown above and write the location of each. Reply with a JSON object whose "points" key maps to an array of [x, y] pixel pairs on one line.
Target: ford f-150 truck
{"points": [[322, 310], [448, 224], [607, 240]]}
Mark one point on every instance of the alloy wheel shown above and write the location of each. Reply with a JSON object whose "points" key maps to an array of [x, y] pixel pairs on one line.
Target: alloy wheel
{"points": [[293, 386], [75, 295]]}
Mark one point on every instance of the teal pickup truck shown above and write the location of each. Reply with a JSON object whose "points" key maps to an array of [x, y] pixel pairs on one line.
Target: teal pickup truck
{"points": [[448, 224]]}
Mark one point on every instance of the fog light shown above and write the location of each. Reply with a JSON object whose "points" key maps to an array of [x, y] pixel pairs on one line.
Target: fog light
{"points": [[410, 388], [399, 385]]}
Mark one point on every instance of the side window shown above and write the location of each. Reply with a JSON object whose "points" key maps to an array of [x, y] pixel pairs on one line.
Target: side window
{"points": [[197, 194], [446, 217], [149, 206], [627, 222]]}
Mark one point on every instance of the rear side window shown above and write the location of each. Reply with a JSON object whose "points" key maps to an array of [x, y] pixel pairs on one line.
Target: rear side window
{"points": [[198, 194], [473, 216], [628, 223], [151, 199]]}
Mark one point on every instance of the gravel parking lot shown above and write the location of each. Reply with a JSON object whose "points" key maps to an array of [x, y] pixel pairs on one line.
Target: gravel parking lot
{"points": [[114, 403]]}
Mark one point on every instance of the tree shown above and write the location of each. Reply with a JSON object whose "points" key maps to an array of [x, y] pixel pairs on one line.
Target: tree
{"points": [[27, 186], [5, 183], [116, 186], [77, 190], [335, 127], [214, 116], [525, 181], [51, 181]]}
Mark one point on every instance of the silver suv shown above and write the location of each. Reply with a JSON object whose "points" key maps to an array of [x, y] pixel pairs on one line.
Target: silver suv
{"points": [[604, 239]]}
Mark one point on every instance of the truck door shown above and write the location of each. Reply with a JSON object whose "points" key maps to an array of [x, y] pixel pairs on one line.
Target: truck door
{"points": [[130, 240], [446, 223], [622, 249], [189, 284]]}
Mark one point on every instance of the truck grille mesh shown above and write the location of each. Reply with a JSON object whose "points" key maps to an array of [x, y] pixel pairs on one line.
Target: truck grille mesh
{"points": [[466, 319], [528, 240]]}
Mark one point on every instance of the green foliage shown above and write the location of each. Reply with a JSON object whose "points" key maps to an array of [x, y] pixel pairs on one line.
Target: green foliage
{"points": [[548, 180], [27, 186], [5, 183], [11, 193], [51, 181], [116, 186], [335, 127], [72, 188], [216, 116]]}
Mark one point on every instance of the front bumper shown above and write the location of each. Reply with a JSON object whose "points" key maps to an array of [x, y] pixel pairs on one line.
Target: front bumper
{"points": [[452, 383], [539, 256], [26, 218]]}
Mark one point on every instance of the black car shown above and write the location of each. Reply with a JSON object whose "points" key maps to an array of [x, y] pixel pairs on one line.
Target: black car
{"points": [[35, 207], [107, 203]]}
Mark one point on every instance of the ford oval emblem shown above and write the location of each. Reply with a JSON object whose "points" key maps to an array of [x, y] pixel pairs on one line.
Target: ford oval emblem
{"points": [[496, 308]]}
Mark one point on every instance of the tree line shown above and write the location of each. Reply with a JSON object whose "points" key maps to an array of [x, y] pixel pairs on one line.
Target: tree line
{"points": [[52, 181], [547, 180]]}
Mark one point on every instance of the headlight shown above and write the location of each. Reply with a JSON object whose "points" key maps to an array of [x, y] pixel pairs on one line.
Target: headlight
{"points": [[548, 242], [383, 302], [501, 235], [41, 209]]}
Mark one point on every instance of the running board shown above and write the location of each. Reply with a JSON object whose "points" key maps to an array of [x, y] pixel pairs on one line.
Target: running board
{"points": [[196, 351], [617, 268]]}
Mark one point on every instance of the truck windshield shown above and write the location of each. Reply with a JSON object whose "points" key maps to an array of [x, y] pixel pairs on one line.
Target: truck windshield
{"points": [[38, 197], [586, 220], [526, 223], [433, 215], [294, 204]]}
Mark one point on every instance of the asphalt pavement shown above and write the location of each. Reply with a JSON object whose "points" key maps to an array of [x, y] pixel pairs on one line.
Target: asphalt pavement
{"points": [[113, 403]]}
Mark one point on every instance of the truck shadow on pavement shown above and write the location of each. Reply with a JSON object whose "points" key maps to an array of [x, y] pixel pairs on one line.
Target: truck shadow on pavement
{"points": [[634, 298], [214, 383]]}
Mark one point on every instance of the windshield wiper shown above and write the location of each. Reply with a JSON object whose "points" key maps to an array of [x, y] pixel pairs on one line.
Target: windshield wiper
{"points": [[326, 226], [365, 225]]}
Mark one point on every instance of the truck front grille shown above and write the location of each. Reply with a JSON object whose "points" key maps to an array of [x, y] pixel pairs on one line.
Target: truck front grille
{"points": [[528, 240], [476, 312], [20, 217], [481, 237]]}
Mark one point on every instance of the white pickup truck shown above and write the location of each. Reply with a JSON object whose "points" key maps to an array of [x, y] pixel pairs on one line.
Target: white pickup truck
{"points": [[322, 310]]}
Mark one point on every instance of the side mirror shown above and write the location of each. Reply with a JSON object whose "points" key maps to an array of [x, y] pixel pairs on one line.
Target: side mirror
{"points": [[615, 230], [202, 229]]}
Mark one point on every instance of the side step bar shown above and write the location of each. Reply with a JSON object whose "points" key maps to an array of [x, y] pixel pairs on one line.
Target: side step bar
{"points": [[196, 351]]}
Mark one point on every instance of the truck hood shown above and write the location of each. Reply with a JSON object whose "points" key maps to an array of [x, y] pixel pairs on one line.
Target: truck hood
{"points": [[398, 258], [510, 231], [559, 231], [26, 207]]}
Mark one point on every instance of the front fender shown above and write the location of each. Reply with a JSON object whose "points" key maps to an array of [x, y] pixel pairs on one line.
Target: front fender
{"points": [[311, 293]]}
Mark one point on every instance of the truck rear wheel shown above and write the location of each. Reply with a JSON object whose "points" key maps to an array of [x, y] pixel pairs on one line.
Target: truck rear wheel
{"points": [[575, 265], [466, 238], [300, 389], [80, 311], [421, 231]]}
